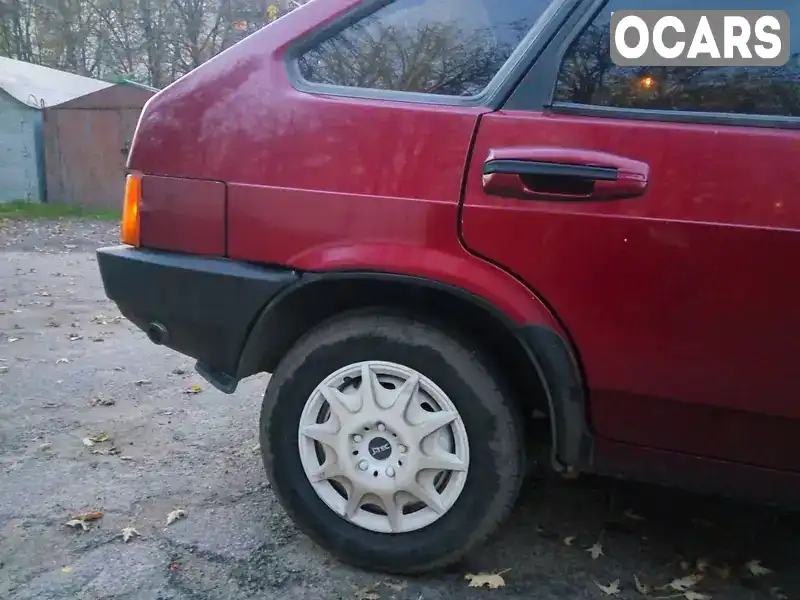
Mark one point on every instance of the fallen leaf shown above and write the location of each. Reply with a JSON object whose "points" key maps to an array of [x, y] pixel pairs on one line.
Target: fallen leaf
{"points": [[88, 516], [77, 523], [103, 437], [596, 551], [644, 589], [490, 580], [126, 458], [142, 382], [46, 446], [100, 401], [175, 515], [179, 371], [195, 389], [66, 569], [756, 568], [127, 533], [690, 595], [633, 516], [569, 540], [684, 583], [612, 589], [87, 442], [74, 337], [11, 340]]}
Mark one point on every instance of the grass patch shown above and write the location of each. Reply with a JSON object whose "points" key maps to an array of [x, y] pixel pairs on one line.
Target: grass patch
{"points": [[34, 210]]}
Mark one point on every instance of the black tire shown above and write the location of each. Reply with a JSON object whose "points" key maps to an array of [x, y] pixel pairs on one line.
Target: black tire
{"points": [[491, 420]]}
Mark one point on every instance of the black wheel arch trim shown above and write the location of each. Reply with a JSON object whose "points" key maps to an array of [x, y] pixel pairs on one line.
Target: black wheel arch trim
{"points": [[282, 322]]}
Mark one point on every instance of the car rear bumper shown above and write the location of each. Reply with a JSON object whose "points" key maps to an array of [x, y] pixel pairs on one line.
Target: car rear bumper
{"points": [[201, 307]]}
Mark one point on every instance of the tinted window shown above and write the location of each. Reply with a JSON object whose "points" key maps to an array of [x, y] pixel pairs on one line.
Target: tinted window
{"points": [[588, 76], [450, 47]]}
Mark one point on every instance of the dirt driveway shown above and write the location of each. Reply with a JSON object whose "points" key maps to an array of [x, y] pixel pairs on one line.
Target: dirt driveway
{"points": [[71, 368]]}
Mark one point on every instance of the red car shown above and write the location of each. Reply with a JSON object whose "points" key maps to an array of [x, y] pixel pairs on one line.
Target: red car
{"points": [[430, 220]]}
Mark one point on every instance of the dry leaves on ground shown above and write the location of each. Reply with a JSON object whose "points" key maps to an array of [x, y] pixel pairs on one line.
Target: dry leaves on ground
{"points": [[77, 523], [127, 533], [176, 514], [612, 589], [755, 568], [596, 550], [645, 589], [83, 520], [683, 584], [195, 389], [490, 580]]}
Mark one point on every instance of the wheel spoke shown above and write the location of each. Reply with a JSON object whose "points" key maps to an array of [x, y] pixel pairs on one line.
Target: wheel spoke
{"points": [[353, 500], [403, 398], [329, 470], [442, 462], [321, 432], [342, 405], [394, 511], [434, 422], [429, 496], [369, 388]]}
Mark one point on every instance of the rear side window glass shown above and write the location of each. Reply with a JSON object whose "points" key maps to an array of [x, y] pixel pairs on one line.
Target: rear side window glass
{"points": [[588, 76], [445, 47]]}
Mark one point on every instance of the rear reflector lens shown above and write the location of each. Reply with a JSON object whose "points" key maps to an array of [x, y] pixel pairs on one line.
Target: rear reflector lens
{"points": [[130, 210]]}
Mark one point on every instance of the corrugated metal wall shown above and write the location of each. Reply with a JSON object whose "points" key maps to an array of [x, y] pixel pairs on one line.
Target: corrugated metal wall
{"points": [[20, 151], [86, 145]]}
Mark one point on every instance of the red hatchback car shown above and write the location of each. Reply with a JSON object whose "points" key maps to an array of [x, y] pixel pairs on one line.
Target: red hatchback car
{"points": [[432, 220]]}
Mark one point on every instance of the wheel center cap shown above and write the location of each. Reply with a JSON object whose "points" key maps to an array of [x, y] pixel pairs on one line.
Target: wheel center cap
{"points": [[379, 448]]}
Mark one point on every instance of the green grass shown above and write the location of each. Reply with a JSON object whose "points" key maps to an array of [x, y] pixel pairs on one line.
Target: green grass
{"points": [[33, 210]]}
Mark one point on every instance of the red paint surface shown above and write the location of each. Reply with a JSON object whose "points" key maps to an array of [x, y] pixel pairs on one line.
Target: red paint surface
{"points": [[680, 301], [187, 215]]}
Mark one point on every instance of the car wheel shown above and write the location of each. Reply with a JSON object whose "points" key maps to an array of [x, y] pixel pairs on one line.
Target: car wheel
{"points": [[390, 443]]}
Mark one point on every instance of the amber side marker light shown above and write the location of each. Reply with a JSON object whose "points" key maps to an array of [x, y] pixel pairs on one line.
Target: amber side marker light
{"points": [[130, 210]]}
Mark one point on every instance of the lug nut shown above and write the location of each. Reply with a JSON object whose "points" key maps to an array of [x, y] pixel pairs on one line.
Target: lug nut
{"points": [[363, 465], [357, 439], [381, 427], [390, 471], [403, 449]]}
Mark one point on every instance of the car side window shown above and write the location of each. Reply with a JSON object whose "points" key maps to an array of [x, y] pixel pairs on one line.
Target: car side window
{"points": [[588, 76], [445, 47]]}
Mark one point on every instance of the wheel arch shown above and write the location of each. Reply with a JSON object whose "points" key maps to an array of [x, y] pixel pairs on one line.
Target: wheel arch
{"points": [[537, 358]]}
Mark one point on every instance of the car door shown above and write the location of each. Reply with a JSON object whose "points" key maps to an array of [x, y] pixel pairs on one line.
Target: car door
{"points": [[656, 212]]}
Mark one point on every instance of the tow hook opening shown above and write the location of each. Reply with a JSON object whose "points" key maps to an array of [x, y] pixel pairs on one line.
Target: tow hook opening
{"points": [[157, 333]]}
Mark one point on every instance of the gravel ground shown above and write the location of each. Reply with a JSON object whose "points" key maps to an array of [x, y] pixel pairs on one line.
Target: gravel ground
{"points": [[71, 367]]}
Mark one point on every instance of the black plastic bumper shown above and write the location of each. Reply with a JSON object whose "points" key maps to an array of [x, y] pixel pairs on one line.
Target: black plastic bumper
{"points": [[201, 307]]}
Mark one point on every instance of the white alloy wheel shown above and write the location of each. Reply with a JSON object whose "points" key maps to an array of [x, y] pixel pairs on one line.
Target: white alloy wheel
{"points": [[390, 456]]}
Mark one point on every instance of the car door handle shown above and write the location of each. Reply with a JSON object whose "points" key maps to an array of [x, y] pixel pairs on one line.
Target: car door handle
{"points": [[563, 174]]}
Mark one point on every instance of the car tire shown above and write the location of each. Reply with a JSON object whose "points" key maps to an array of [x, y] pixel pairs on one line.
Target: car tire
{"points": [[490, 484]]}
